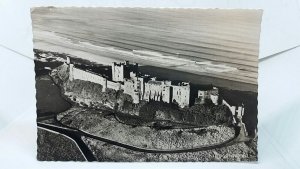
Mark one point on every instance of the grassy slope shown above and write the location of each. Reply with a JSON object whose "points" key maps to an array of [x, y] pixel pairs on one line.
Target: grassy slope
{"points": [[107, 152], [97, 123], [55, 147]]}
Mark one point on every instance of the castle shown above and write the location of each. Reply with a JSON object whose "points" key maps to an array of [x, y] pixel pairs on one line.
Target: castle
{"points": [[125, 76], [143, 87]]}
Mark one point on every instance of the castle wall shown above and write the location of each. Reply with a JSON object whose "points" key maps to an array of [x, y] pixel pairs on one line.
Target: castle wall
{"points": [[181, 95], [76, 73], [157, 91], [129, 86], [166, 94], [131, 89], [135, 86], [113, 85], [152, 91], [88, 76]]}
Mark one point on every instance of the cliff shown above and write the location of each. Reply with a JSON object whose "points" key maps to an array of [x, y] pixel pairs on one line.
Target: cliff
{"points": [[90, 94]]}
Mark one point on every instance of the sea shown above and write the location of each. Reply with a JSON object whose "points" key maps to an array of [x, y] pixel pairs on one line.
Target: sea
{"points": [[203, 46]]}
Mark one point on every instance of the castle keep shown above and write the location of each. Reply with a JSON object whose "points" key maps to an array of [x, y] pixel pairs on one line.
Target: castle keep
{"points": [[122, 71]]}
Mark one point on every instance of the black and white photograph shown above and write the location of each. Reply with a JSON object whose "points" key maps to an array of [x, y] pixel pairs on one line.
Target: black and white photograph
{"points": [[146, 84]]}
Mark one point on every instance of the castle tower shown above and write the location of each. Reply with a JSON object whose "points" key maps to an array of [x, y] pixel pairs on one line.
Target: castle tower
{"points": [[71, 72], [68, 60], [117, 72]]}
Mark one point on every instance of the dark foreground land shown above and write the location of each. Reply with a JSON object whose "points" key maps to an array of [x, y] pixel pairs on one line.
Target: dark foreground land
{"points": [[56, 147], [51, 102]]}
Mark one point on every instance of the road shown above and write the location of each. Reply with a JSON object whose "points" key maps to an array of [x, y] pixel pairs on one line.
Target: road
{"points": [[76, 135]]}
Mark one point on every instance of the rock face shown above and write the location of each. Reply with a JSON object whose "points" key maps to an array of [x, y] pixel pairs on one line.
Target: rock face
{"points": [[90, 94]]}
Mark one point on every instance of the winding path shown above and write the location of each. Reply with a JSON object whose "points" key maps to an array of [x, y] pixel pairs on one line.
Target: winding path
{"points": [[76, 135]]}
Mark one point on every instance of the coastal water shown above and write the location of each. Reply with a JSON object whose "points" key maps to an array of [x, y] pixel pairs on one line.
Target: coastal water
{"points": [[211, 43]]}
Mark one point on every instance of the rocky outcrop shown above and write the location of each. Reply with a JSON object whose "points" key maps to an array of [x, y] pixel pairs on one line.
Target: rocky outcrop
{"points": [[88, 94]]}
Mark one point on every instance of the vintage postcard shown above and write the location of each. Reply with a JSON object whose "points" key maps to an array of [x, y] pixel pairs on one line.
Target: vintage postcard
{"points": [[146, 84]]}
